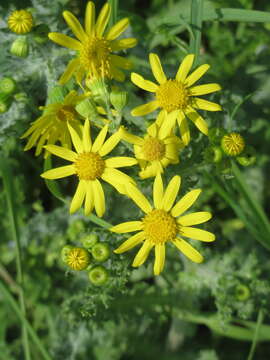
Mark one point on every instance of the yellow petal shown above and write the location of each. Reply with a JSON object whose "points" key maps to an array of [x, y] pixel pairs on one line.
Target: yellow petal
{"points": [[188, 250], [168, 124], [100, 139], [194, 218], [59, 172], [115, 176], [103, 19], [197, 234], [152, 130], [126, 227], [161, 117], [158, 192], [185, 67], [204, 89], [185, 203], [90, 15], [159, 258], [99, 200], [65, 41], [142, 83], [150, 170], [123, 44], [171, 152], [196, 74], [130, 243], [139, 199], [75, 26], [157, 69], [171, 193], [110, 144], [117, 74], [62, 152], [145, 108], [184, 129], [69, 71], [89, 199], [120, 161], [87, 143], [197, 120], [78, 198], [142, 254], [206, 105], [130, 138], [75, 139], [117, 29]]}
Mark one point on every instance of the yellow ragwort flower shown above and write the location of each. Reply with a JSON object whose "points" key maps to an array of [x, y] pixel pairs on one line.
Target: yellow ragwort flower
{"points": [[20, 21], [233, 144], [163, 223], [177, 98], [154, 152], [95, 47], [52, 126], [78, 258], [90, 166]]}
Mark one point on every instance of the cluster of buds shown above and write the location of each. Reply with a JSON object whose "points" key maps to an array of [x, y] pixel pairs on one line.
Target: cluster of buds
{"points": [[88, 257]]}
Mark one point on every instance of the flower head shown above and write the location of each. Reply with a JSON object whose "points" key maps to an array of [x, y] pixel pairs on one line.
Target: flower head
{"points": [[163, 224], [177, 98], [233, 144], [155, 151], [52, 126], [89, 165], [94, 46], [20, 21]]}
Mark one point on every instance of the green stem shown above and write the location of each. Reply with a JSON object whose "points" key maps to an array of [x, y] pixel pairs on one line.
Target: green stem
{"points": [[114, 7], [9, 191], [256, 333], [99, 221], [25, 323], [196, 17]]}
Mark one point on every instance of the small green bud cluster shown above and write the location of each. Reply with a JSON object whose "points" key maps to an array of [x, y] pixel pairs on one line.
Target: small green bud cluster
{"points": [[7, 89]]}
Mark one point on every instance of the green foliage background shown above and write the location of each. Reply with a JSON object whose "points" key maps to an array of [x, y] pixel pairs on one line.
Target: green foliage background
{"points": [[202, 312]]}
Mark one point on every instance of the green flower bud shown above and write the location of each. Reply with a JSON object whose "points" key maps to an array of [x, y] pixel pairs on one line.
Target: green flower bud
{"points": [[75, 229], [100, 252], [5, 103], [7, 86], [98, 275], [233, 144], [65, 251], [57, 94], [40, 33], [215, 135], [118, 99], [212, 154], [89, 241], [20, 47], [78, 258], [87, 108], [98, 87], [248, 156], [242, 292]]}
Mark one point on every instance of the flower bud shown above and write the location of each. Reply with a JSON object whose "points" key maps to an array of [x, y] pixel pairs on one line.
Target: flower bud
{"points": [[7, 86], [40, 33], [20, 47], [242, 292], [20, 21], [57, 94], [232, 144], [212, 154], [87, 108], [4, 105], [98, 87], [98, 275], [78, 258], [89, 241], [100, 252], [65, 251], [118, 99], [247, 157]]}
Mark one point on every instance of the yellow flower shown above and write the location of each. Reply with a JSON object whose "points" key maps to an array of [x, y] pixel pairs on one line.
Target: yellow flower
{"points": [[20, 21], [88, 164], [177, 98], [154, 152], [95, 48], [78, 258], [233, 144], [164, 223], [52, 126]]}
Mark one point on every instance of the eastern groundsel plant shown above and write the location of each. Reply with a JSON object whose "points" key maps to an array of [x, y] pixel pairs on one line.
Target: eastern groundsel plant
{"points": [[95, 46], [164, 223], [89, 165], [177, 98]]}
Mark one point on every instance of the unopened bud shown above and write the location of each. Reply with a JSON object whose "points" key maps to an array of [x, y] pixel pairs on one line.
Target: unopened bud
{"points": [[20, 47]]}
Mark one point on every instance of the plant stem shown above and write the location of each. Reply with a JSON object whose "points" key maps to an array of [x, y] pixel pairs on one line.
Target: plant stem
{"points": [[196, 17], [256, 332]]}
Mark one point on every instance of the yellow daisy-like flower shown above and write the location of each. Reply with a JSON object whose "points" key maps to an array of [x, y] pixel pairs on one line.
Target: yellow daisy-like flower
{"points": [[88, 164], [20, 21], [95, 47], [164, 223], [52, 126], [154, 152], [177, 98]]}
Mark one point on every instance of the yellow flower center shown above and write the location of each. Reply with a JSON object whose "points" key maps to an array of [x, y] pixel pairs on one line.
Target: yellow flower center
{"points": [[89, 166], [172, 95], [66, 113], [94, 56], [78, 259], [233, 144], [159, 226], [153, 149], [20, 21]]}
